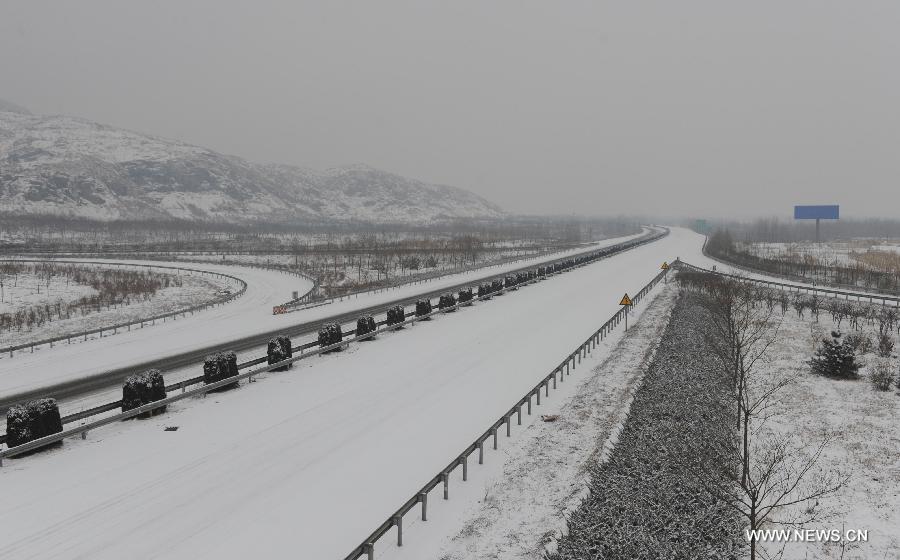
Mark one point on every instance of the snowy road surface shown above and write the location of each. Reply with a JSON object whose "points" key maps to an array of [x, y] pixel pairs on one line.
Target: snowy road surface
{"points": [[242, 316], [306, 463], [248, 315]]}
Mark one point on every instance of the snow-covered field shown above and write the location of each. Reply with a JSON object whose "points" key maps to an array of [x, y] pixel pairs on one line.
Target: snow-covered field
{"points": [[34, 290], [832, 253], [242, 316], [247, 315], [866, 427], [308, 462]]}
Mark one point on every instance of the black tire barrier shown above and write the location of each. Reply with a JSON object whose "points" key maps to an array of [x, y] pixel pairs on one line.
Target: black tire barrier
{"points": [[510, 282], [423, 307], [32, 420], [280, 349], [365, 325], [144, 388], [220, 366], [496, 286], [396, 315], [465, 295], [329, 334], [485, 290], [446, 301]]}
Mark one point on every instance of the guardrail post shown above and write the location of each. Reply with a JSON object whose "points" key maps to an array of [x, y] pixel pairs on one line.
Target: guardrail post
{"points": [[538, 394], [423, 497], [465, 465], [398, 522], [519, 415], [529, 404], [554, 380], [480, 452], [495, 437], [506, 421]]}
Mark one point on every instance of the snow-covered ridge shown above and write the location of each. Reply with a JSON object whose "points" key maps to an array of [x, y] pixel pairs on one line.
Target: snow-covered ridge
{"points": [[72, 167]]}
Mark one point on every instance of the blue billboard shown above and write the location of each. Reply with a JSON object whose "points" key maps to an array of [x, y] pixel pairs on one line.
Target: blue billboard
{"points": [[823, 212]]}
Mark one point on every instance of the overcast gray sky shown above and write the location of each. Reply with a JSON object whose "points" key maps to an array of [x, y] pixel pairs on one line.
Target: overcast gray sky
{"points": [[707, 108]]}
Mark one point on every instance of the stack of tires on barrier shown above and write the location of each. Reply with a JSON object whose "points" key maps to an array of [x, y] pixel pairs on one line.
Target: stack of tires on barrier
{"points": [[485, 291], [330, 334], [447, 301], [465, 296], [144, 388], [396, 315], [220, 366], [365, 325], [423, 308], [32, 420], [279, 350]]}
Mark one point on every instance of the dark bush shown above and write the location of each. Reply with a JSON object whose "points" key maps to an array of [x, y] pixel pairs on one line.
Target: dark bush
{"points": [[279, 350], [510, 282], [142, 388], [542, 271], [496, 285], [32, 420], [220, 366], [446, 301], [329, 334], [365, 325], [396, 315], [835, 358], [423, 307], [860, 343]]}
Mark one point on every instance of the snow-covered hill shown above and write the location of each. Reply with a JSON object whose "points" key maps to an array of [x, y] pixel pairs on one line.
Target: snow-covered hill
{"points": [[72, 167]]}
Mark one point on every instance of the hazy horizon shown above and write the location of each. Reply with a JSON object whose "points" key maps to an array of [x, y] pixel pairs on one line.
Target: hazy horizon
{"points": [[689, 109]]}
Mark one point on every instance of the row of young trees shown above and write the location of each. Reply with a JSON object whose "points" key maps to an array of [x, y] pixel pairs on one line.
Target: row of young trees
{"points": [[861, 273], [760, 473], [111, 286]]}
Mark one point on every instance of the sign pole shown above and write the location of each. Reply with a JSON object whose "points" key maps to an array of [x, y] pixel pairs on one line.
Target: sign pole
{"points": [[625, 302]]}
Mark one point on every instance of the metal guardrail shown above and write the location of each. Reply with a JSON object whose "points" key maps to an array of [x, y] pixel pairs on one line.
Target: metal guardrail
{"points": [[367, 547], [115, 327], [790, 277], [301, 302], [182, 385], [828, 292]]}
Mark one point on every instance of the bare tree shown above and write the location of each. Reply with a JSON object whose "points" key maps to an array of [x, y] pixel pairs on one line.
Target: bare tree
{"points": [[759, 473]]}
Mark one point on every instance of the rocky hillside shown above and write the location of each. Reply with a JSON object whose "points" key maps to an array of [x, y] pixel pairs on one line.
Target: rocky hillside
{"points": [[72, 167]]}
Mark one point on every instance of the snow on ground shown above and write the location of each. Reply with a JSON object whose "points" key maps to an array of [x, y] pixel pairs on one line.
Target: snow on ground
{"points": [[240, 317], [544, 464], [309, 461], [195, 289], [249, 314], [866, 426], [697, 258]]}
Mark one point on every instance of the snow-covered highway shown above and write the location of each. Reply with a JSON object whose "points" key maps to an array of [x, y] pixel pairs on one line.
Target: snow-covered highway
{"points": [[307, 462], [71, 364]]}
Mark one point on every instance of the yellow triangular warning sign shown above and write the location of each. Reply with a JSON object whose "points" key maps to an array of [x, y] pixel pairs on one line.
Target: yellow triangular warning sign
{"points": [[625, 300], [665, 266]]}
